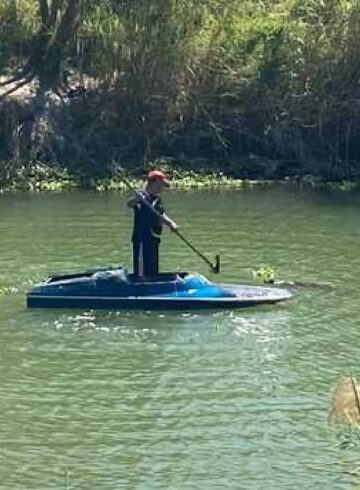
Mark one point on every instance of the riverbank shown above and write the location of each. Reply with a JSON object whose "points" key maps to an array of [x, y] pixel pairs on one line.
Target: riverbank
{"points": [[40, 177], [113, 185], [48, 179]]}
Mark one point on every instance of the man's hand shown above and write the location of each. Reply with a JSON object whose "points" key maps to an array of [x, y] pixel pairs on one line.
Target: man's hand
{"points": [[169, 222], [172, 225]]}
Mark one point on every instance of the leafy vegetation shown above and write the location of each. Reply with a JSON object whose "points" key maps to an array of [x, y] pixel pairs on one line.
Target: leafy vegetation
{"points": [[247, 87]]}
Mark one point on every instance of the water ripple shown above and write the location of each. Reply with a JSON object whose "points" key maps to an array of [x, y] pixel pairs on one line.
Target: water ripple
{"points": [[105, 400]]}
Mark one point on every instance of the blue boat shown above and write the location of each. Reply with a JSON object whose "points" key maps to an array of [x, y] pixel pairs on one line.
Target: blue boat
{"points": [[113, 288]]}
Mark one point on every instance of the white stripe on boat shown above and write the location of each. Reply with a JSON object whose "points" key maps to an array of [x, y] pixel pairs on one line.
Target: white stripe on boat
{"points": [[213, 299]]}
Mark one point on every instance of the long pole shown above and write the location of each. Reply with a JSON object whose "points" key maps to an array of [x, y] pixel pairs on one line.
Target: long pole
{"points": [[214, 267], [355, 393]]}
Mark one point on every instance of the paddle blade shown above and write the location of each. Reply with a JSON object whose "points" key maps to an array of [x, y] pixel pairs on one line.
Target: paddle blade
{"points": [[216, 266]]}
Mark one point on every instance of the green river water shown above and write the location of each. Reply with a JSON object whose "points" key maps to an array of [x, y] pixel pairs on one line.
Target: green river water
{"points": [[214, 400]]}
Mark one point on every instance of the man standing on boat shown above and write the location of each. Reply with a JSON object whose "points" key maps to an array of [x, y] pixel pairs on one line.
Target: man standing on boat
{"points": [[149, 217]]}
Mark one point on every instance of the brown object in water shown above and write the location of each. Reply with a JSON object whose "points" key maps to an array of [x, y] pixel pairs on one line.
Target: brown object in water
{"points": [[345, 402]]}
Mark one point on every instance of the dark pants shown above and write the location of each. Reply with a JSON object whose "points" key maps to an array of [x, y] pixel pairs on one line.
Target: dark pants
{"points": [[146, 258]]}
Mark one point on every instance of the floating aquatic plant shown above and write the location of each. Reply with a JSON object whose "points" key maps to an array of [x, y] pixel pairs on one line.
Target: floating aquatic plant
{"points": [[265, 274], [7, 291]]}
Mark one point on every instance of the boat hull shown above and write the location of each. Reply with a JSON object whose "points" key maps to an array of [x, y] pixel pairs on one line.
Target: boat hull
{"points": [[143, 303], [107, 290]]}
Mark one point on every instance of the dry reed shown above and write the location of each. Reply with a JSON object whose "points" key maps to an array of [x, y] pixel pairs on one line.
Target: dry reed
{"points": [[345, 405]]}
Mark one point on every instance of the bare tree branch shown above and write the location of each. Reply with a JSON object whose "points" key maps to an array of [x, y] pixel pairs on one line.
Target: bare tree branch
{"points": [[55, 8], [17, 87], [69, 22], [44, 11], [15, 78], [48, 45]]}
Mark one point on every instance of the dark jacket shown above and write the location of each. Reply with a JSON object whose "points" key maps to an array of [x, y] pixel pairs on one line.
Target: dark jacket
{"points": [[147, 226]]}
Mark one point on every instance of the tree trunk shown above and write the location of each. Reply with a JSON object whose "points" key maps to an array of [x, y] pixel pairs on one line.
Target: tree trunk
{"points": [[59, 21]]}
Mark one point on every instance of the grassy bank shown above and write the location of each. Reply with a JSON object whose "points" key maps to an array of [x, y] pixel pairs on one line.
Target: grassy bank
{"points": [[42, 179], [52, 179]]}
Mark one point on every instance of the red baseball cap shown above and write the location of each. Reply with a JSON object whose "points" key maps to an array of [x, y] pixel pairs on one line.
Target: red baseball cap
{"points": [[157, 174]]}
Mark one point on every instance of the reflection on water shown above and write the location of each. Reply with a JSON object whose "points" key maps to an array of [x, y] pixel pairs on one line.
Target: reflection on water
{"points": [[105, 400]]}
